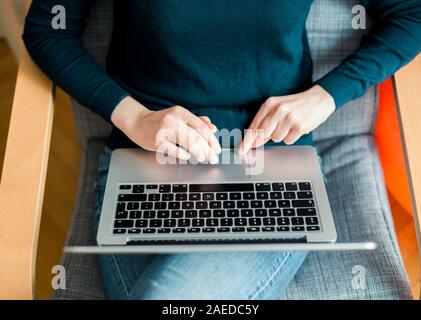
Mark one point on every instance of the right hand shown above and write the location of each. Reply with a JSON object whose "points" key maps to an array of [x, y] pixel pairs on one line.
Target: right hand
{"points": [[174, 131]]}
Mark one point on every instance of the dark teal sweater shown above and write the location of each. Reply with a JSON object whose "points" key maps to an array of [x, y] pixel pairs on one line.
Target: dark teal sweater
{"points": [[220, 58]]}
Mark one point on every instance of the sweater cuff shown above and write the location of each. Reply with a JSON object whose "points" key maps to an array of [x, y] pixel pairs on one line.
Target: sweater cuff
{"points": [[339, 86], [107, 98]]}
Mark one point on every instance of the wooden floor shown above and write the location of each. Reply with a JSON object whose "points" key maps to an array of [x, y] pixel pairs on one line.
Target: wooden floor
{"points": [[62, 178]]}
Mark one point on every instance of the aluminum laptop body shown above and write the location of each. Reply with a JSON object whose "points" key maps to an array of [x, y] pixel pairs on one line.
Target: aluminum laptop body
{"points": [[126, 219]]}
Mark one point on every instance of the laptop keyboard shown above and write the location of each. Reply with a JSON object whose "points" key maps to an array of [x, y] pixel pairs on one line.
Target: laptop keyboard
{"points": [[215, 208]]}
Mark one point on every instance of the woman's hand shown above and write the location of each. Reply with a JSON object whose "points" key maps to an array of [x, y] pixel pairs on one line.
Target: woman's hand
{"points": [[287, 118], [174, 131]]}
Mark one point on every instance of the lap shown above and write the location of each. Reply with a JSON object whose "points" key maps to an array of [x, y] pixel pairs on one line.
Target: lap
{"points": [[251, 275]]}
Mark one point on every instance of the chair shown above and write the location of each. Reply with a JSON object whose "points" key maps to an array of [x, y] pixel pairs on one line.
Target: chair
{"points": [[350, 162]]}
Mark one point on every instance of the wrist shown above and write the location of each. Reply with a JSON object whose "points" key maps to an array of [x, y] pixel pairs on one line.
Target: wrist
{"points": [[127, 112], [323, 96]]}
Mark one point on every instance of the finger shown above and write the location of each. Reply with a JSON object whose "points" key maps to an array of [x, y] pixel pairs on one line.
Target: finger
{"points": [[209, 123], [195, 144], [268, 125], [196, 123], [293, 135], [172, 150], [247, 143], [260, 142], [281, 131]]}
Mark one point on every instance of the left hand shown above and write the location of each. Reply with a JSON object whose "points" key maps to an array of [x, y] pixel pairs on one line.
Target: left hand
{"points": [[287, 118]]}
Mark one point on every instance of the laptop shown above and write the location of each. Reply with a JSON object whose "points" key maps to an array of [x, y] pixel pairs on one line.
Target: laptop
{"points": [[271, 196]]}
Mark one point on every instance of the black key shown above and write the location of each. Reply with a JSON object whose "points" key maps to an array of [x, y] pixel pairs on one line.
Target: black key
{"points": [[169, 223], [179, 188], [188, 204], [194, 196], [243, 204], [288, 212], [191, 213], [121, 215], [297, 229], [238, 229], [201, 205], [222, 196], [306, 212], [164, 230], [235, 196], [247, 213], [278, 186], [160, 205], [232, 213], [176, 214], [269, 221], [163, 214], [226, 222], [152, 186], [303, 203], [208, 196], [229, 204], [289, 195], [184, 223], [154, 197], [215, 204], [179, 230], [135, 214], [198, 222], [212, 223], [123, 224], [262, 186], [146, 205], [141, 223], [312, 221], [223, 187], [119, 231], [256, 204], [283, 221], [268, 229], [262, 195], [255, 221], [208, 229], [276, 195], [313, 228], [218, 213], [132, 206], [133, 231], [275, 212], [240, 222], [282, 229], [121, 206], [291, 186], [253, 229], [223, 229], [193, 230], [168, 197], [149, 214], [155, 223], [205, 213], [181, 197], [305, 195], [125, 187], [174, 205], [249, 196], [270, 204], [284, 203], [297, 221], [260, 213], [304, 186], [132, 197], [138, 188], [165, 188]]}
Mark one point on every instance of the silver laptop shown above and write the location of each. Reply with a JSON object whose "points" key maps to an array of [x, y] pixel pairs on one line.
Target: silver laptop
{"points": [[274, 195]]}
